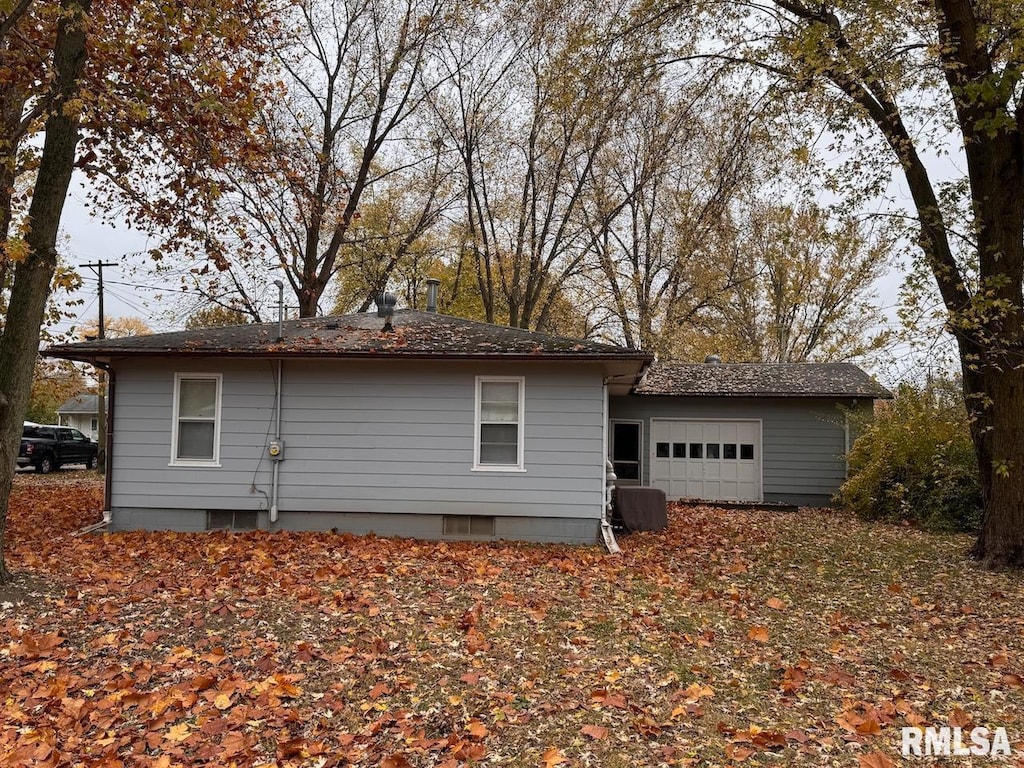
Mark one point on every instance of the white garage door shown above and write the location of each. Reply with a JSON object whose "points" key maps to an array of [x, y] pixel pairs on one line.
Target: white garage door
{"points": [[705, 459]]}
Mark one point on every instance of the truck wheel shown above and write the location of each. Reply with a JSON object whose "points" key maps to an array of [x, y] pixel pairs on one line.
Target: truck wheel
{"points": [[93, 462], [45, 465]]}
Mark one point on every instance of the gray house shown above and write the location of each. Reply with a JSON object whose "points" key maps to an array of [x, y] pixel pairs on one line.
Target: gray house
{"points": [[439, 427], [445, 427], [81, 412]]}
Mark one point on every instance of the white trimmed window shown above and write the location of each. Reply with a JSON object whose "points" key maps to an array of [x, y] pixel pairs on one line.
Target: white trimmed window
{"points": [[195, 439], [500, 402]]}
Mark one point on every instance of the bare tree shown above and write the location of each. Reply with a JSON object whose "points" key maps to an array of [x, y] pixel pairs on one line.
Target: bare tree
{"points": [[354, 76], [530, 113], [659, 211]]}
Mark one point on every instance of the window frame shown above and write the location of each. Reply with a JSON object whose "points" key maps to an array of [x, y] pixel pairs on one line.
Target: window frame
{"points": [[218, 379], [520, 465]]}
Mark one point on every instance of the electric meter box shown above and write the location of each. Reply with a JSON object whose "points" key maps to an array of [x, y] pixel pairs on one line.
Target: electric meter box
{"points": [[276, 449]]}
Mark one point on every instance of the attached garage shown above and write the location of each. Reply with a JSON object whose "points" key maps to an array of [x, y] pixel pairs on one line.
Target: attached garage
{"points": [[706, 459], [751, 432]]}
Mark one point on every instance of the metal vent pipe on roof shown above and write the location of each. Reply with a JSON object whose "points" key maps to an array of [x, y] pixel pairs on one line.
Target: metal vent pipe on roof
{"points": [[386, 308], [386, 304], [713, 360], [432, 285], [280, 309]]}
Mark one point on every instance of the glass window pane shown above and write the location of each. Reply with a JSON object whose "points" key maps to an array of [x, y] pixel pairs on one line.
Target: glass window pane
{"points": [[627, 470], [626, 442], [499, 453], [746, 451], [195, 440], [696, 450], [499, 433], [499, 391], [197, 398], [499, 412], [499, 444], [661, 451], [729, 451], [678, 450], [712, 450]]}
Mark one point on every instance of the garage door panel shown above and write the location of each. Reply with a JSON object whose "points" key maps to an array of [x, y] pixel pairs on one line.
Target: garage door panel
{"points": [[716, 460]]}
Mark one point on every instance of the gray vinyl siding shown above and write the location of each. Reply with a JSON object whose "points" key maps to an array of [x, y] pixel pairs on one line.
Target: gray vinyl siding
{"points": [[363, 439], [803, 439]]}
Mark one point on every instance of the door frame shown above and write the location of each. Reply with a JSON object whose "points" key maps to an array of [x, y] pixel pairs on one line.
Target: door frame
{"points": [[639, 447]]}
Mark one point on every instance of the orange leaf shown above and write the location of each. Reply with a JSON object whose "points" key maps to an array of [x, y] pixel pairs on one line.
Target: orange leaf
{"points": [[233, 743], [596, 732], [960, 719], [870, 727], [875, 760], [696, 691], [737, 752], [553, 757], [775, 604], [396, 761], [178, 732], [477, 729], [1011, 680], [758, 634]]}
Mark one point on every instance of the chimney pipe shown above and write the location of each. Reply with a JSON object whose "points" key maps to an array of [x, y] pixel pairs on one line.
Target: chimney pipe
{"points": [[280, 309], [432, 285]]}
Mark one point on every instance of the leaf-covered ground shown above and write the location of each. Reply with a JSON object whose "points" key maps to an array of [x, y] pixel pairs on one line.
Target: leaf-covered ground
{"points": [[761, 638]]}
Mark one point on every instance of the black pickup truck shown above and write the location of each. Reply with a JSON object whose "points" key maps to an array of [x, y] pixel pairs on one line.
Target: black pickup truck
{"points": [[47, 448]]}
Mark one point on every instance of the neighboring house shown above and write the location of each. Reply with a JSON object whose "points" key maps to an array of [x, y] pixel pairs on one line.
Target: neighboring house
{"points": [[445, 427], [753, 432], [82, 413]]}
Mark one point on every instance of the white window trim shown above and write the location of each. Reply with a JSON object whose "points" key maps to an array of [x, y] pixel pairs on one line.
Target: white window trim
{"points": [[520, 465], [215, 461]]}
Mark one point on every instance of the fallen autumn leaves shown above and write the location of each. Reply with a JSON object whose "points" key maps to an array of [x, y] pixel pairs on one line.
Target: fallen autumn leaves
{"points": [[759, 638]]}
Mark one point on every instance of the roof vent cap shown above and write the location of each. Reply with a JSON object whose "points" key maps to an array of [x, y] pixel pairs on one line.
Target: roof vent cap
{"points": [[386, 304], [713, 360]]}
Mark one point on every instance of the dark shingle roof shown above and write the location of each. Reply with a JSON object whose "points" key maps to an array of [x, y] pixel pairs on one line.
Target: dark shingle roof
{"points": [[80, 404], [415, 335], [760, 380]]}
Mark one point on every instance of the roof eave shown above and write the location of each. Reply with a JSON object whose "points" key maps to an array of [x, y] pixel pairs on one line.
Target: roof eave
{"points": [[107, 355]]}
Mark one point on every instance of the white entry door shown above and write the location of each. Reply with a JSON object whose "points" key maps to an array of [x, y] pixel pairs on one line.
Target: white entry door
{"points": [[714, 460]]}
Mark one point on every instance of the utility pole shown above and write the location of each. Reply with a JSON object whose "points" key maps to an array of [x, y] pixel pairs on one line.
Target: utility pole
{"points": [[101, 379]]}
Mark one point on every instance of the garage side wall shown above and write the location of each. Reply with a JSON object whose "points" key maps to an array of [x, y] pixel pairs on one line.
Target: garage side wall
{"points": [[804, 440]]}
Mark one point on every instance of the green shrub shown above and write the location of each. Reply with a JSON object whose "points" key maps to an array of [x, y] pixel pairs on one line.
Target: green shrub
{"points": [[915, 462]]}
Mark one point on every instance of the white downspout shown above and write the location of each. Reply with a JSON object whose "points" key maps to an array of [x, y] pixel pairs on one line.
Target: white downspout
{"points": [[607, 479], [274, 483], [275, 480]]}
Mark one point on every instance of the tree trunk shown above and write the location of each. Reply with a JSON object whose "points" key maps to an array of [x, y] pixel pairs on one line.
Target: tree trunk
{"points": [[19, 345], [995, 399]]}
